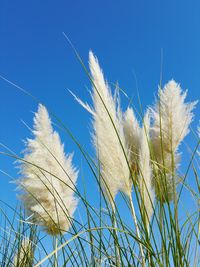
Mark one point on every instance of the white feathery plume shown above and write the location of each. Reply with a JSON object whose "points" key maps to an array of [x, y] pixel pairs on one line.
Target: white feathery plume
{"points": [[110, 142], [114, 168], [175, 116], [172, 117], [132, 132], [48, 177], [145, 170]]}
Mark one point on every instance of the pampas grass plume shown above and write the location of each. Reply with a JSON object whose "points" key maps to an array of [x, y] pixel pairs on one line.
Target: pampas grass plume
{"points": [[145, 170], [48, 177], [175, 116], [172, 117], [107, 119], [132, 132]]}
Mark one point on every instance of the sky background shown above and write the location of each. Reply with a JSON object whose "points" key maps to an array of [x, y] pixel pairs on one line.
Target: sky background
{"points": [[126, 35]]}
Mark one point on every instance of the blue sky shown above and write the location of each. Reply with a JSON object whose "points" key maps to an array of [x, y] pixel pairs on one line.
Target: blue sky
{"points": [[127, 37]]}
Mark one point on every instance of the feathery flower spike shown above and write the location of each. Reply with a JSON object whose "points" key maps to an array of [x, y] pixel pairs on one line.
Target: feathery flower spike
{"points": [[48, 178], [145, 170], [172, 118], [132, 132], [114, 167]]}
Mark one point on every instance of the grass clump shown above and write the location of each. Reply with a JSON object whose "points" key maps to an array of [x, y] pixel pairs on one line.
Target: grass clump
{"points": [[139, 160]]}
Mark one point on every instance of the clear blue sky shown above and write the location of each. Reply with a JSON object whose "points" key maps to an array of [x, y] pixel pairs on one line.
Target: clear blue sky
{"points": [[126, 35]]}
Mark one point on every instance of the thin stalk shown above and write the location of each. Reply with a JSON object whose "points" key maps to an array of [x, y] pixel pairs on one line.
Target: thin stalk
{"points": [[162, 229], [137, 228], [56, 252], [115, 235]]}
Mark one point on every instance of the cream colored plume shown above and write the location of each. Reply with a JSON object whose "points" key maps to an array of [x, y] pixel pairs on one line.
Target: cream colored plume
{"points": [[145, 170], [48, 177], [172, 117], [107, 120], [132, 132]]}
